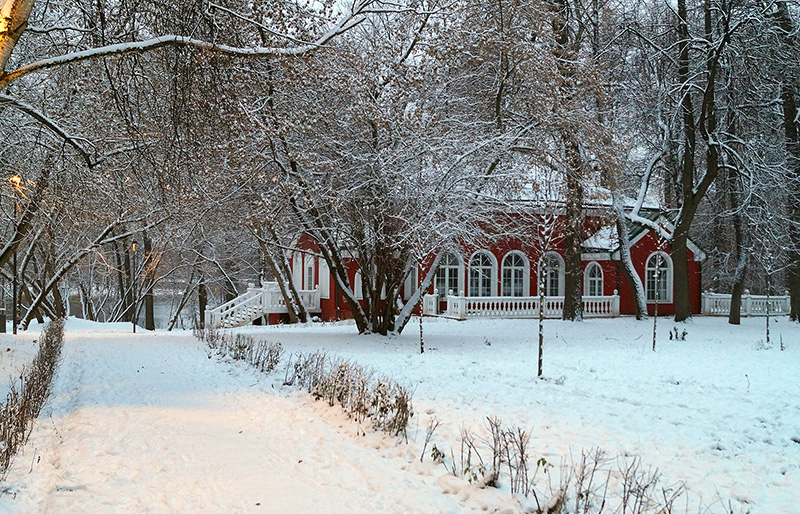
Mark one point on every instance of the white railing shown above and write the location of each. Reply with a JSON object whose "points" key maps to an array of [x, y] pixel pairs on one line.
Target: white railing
{"points": [[257, 302], [462, 307], [430, 304], [716, 304]]}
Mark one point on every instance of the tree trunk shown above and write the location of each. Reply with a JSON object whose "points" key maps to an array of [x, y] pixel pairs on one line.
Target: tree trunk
{"points": [[792, 131], [680, 265], [565, 51], [632, 277], [331, 254], [16, 20], [405, 313], [791, 126], [149, 277], [573, 237], [190, 285], [87, 305], [284, 283], [202, 300], [283, 273], [734, 317]]}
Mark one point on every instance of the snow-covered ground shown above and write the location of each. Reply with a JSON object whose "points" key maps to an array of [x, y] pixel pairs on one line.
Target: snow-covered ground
{"points": [[16, 352], [150, 423]]}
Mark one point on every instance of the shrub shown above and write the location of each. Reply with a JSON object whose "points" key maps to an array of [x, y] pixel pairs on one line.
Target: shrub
{"points": [[28, 394], [386, 404], [383, 402]]}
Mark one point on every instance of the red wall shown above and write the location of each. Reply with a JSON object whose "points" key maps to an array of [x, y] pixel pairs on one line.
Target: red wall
{"points": [[328, 306], [639, 255], [613, 278]]}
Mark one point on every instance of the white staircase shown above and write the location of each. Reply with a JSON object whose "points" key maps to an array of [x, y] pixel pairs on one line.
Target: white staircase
{"points": [[255, 303]]}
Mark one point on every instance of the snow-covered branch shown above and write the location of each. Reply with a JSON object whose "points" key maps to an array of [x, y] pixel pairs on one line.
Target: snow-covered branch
{"points": [[49, 123], [343, 25]]}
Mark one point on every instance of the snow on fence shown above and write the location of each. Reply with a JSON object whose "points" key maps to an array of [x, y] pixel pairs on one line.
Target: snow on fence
{"points": [[462, 307], [716, 304], [257, 302]]}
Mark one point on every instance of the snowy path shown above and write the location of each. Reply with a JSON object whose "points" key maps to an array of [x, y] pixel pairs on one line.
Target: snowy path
{"points": [[152, 425]]}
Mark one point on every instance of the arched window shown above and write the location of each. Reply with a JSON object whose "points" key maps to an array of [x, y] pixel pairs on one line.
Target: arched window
{"points": [[297, 270], [482, 274], [308, 273], [515, 281], [552, 274], [447, 275], [324, 279], [593, 280], [658, 278], [358, 288], [411, 283]]}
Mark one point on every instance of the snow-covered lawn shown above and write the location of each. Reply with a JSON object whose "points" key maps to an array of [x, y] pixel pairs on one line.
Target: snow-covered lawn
{"points": [[16, 352], [148, 423]]}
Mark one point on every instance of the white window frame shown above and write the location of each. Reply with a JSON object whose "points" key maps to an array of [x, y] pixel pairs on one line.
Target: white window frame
{"points": [[324, 279], [358, 289], [526, 273], [448, 270], [560, 283], [297, 270], [649, 271], [483, 279], [308, 273], [411, 284], [588, 279]]}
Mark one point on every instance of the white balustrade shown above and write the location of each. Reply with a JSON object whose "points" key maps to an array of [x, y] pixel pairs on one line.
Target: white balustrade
{"points": [[716, 304], [255, 303], [430, 304], [462, 307]]}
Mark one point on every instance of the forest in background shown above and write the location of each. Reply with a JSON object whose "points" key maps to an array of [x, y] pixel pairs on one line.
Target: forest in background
{"points": [[181, 146]]}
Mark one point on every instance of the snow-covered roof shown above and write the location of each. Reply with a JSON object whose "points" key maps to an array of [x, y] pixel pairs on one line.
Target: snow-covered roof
{"points": [[605, 240]]}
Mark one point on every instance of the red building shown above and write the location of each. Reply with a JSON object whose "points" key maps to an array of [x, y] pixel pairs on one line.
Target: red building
{"points": [[499, 279]]}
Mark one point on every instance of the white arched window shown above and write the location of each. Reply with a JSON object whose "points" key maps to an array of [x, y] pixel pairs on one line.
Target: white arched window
{"points": [[411, 283], [552, 274], [308, 273], [593, 280], [515, 276], [447, 276], [658, 278], [324, 279], [358, 288], [482, 274], [297, 270]]}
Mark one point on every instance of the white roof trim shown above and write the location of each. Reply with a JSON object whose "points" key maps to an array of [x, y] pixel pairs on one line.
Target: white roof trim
{"points": [[699, 255]]}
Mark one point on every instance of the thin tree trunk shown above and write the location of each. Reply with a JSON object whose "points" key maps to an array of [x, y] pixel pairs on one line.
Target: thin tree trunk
{"points": [[187, 291], [87, 305], [202, 300], [573, 301], [280, 266], [791, 126], [632, 277], [149, 276], [734, 317]]}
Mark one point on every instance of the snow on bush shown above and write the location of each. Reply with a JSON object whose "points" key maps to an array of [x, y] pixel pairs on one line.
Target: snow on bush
{"points": [[594, 483], [383, 402], [259, 354], [27, 394]]}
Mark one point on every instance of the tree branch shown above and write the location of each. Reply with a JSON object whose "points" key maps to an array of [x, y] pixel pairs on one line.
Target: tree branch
{"points": [[49, 123], [343, 25]]}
